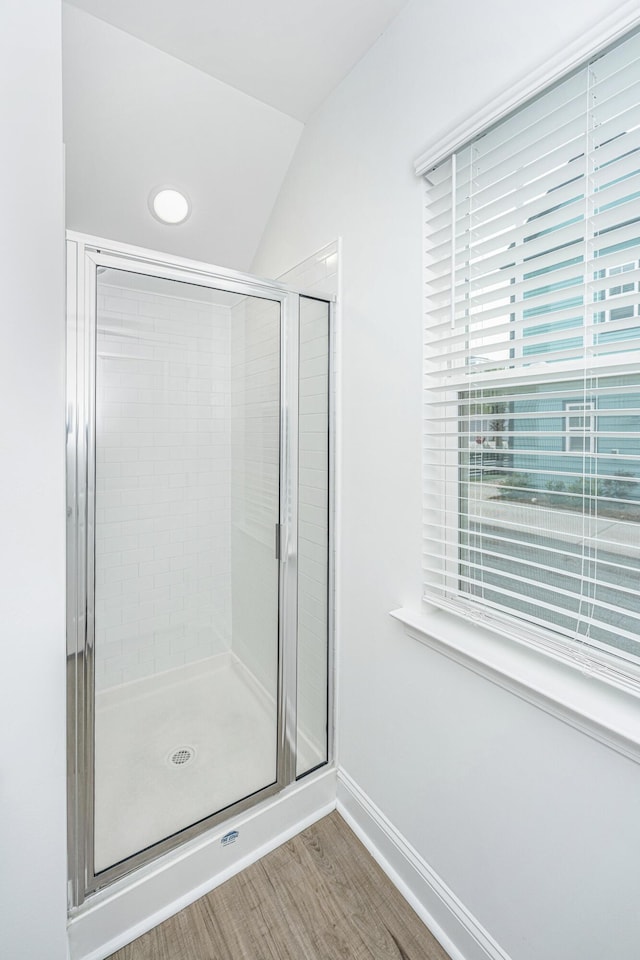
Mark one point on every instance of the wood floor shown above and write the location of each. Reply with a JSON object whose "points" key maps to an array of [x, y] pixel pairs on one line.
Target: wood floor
{"points": [[318, 897]]}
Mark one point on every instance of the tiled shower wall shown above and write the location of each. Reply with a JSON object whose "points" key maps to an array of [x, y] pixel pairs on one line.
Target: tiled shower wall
{"points": [[162, 481], [187, 485], [255, 429]]}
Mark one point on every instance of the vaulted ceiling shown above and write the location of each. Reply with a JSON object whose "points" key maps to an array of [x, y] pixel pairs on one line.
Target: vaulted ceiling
{"points": [[288, 53], [206, 96]]}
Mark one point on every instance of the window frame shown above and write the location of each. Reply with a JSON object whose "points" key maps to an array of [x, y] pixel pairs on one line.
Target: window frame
{"points": [[470, 573], [594, 696], [571, 409]]}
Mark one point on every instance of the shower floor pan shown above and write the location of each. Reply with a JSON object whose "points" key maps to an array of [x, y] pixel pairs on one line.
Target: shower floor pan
{"points": [[173, 749]]}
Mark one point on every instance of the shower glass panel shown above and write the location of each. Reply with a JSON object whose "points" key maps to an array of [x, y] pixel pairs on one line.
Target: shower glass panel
{"points": [[187, 499], [313, 535]]}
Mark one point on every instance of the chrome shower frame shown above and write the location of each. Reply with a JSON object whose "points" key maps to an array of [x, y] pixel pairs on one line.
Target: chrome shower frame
{"points": [[85, 255]]}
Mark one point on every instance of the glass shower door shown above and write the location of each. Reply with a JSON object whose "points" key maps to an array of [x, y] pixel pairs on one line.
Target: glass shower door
{"points": [[186, 579], [314, 523]]}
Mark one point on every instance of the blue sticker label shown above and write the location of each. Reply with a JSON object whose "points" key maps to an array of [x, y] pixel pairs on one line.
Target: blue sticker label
{"points": [[230, 837]]}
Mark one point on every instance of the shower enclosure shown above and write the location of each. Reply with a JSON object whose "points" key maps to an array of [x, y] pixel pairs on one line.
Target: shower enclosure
{"points": [[199, 549]]}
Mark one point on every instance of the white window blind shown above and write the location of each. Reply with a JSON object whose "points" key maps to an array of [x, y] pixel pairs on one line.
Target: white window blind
{"points": [[532, 367]]}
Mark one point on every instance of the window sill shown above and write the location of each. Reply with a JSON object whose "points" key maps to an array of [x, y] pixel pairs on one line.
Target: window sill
{"points": [[592, 704]]}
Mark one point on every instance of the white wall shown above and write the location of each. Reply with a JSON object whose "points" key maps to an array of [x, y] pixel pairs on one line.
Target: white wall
{"points": [[533, 825], [163, 477], [32, 556], [136, 118]]}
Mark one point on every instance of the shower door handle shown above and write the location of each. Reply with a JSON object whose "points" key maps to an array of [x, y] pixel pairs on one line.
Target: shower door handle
{"points": [[278, 529]]}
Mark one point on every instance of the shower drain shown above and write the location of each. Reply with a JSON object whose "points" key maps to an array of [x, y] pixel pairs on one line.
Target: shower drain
{"points": [[181, 756]]}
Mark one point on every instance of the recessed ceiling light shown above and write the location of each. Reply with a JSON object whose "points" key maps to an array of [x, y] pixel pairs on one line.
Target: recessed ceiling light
{"points": [[169, 205]]}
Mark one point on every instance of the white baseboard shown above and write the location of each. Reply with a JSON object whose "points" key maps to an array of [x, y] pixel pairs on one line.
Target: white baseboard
{"points": [[460, 934], [119, 914], [132, 906]]}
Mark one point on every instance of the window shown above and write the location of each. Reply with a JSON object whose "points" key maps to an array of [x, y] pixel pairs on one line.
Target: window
{"points": [[579, 427], [532, 369]]}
